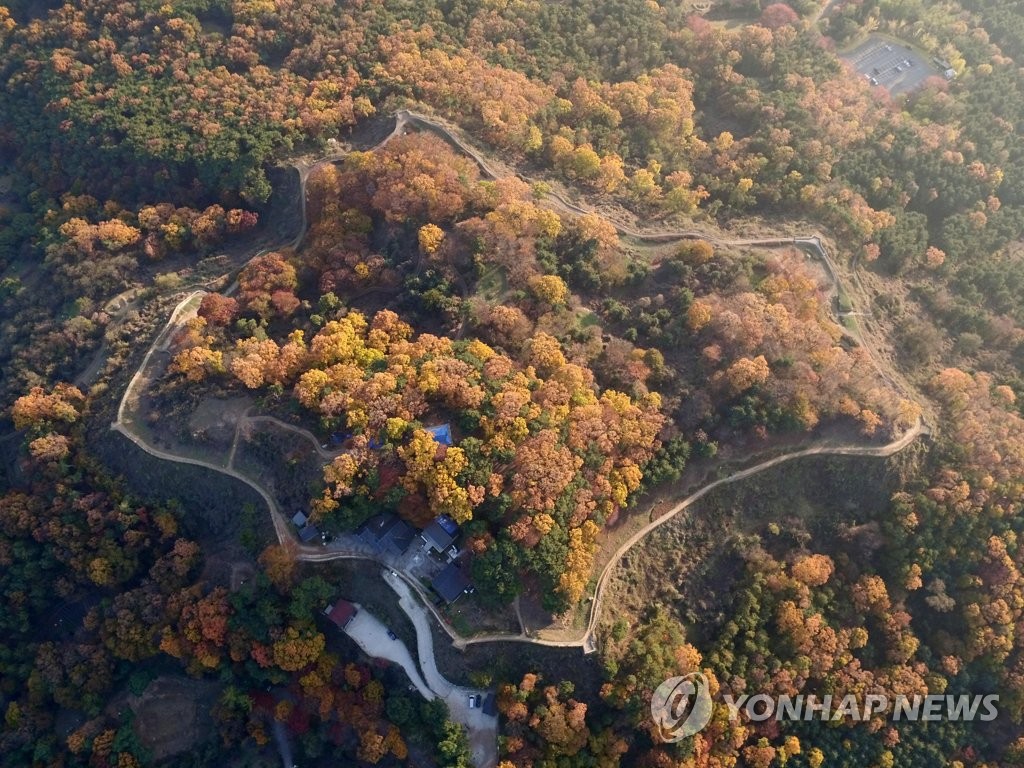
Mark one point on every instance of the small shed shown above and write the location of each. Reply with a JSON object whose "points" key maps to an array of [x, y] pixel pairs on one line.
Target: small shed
{"points": [[308, 533], [341, 613], [299, 519]]}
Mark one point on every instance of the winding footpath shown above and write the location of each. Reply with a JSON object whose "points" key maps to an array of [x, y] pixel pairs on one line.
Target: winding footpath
{"points": [[403, 120], [304, 433]]}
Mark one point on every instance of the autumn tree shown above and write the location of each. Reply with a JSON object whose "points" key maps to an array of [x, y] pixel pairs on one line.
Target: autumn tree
{"points": [[219, 310], [38, 409], [549, 289], [279, 563], [778, 15], [430, 238], [418, 177], [50, 447], [439, 476], [196, 363], [266, 286]]}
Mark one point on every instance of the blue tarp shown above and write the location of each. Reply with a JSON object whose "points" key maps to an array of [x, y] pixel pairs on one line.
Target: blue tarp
{"points": [[442, 433]]}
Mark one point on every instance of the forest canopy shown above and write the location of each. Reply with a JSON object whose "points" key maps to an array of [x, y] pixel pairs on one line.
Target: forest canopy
{"points": [[584, 254]]}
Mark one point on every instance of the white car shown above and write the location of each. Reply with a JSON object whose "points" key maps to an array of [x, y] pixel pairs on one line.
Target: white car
{"points": [[472, 701]]}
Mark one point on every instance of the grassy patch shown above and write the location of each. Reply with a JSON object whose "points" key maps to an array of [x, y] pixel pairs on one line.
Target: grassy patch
{"points": [[493, 284], [689, 563], [845, 304]]}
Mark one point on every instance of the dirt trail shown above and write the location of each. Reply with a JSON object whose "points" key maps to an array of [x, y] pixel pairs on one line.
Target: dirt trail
{"points": [[304, 433]]}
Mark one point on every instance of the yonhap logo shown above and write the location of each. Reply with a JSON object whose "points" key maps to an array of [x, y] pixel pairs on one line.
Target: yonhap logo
{"points": [[681, 707]]}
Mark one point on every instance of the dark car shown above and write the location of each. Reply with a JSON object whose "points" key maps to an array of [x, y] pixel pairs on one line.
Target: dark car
{"points": [[392, 635]]}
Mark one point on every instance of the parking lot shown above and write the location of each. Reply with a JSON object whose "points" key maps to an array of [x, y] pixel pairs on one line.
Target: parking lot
{"points": [[891, 65]]}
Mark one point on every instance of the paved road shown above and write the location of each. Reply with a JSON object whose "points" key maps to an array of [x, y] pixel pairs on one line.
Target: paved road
{"points": [[482, 729], [371, 635]]}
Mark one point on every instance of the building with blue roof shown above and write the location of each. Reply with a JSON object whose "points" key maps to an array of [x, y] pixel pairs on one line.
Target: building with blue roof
{"points": [[451, 583], [386, 532], [440, 534]]}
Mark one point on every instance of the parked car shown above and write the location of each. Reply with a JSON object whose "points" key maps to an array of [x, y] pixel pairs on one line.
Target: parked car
{"points": [[472, 701], [479, 699], [392, 635]]}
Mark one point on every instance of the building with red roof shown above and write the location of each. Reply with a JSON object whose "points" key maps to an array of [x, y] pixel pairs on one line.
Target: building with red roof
{"points": [[341, 613]]}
